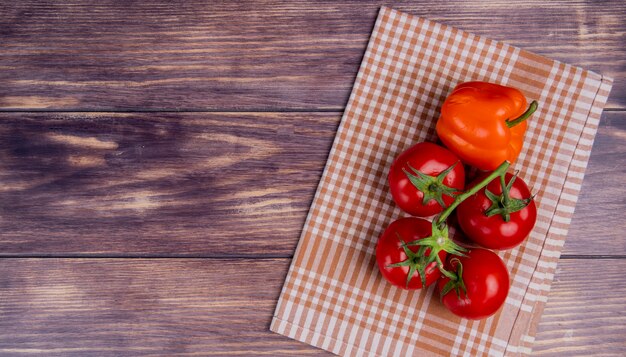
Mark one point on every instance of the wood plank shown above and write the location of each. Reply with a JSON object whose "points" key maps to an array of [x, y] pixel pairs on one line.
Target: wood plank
{"points": [[209, 184], [585, 315], [598, 223], [153, 307], [115, 55], [203, 183], [219, 306]]}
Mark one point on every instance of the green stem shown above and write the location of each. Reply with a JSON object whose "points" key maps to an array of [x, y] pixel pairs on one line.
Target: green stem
{"points": [[531, 109], [505, 192], [465, 195], [450, 275]]}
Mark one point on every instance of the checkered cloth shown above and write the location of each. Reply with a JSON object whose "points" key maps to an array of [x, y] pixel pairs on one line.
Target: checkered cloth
{"points": [[334, 297]]}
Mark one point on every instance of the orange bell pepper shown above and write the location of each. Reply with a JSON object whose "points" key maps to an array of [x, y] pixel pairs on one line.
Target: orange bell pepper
{"points": [[484, 123]]}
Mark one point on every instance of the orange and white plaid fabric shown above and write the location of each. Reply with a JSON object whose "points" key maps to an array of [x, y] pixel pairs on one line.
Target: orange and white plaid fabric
{"points": [[334, 296]]}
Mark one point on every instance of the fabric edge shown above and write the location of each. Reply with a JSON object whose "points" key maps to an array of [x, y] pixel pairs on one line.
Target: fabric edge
{"points": [[381, 13], [289, 328], [606, 83]]}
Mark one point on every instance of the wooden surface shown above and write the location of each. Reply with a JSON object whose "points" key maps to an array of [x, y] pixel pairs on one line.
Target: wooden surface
{"points": [[197, 55], [184, 306], [208, 184], [157, 162]]}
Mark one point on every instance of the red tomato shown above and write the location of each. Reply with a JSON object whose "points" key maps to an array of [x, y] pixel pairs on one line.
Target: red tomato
{"points": [[485, 279], [401, 264], [494, 232], [424, 178]]}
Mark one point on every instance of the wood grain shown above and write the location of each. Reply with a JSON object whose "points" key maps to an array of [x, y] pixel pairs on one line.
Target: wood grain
{"points": [[215, 184], [598, 224], [209, 184], [102, 307], [585, 315], [250, 55], [147, 307]]}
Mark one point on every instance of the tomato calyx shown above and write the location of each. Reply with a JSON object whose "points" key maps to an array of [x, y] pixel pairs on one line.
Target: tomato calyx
{"points": [[503, 204], [416, 261], [437, 242], [456, 282], [432, 187]]}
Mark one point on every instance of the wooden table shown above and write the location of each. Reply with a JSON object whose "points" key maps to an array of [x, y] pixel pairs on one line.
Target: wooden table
{"points": [[157, 161]]}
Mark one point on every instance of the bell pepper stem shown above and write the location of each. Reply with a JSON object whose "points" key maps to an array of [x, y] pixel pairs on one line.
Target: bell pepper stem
{"points": [[531, 109], [465, 195]]}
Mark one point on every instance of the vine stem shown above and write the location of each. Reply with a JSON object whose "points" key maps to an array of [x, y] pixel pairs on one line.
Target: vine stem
{"points": [[465, 195], [505, 192]]}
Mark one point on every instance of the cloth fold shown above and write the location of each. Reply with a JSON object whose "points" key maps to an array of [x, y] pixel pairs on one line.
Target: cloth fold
{"points": [[334, 296]]}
